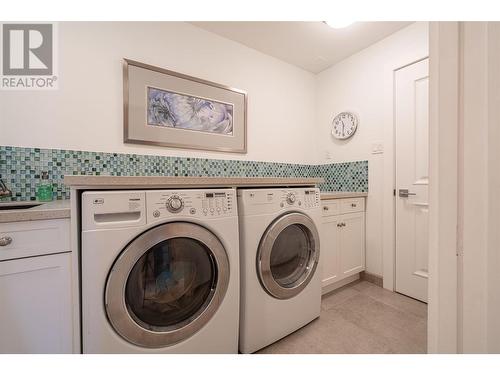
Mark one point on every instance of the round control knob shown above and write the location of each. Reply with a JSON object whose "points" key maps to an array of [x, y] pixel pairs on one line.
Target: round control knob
{"points": [[174, 204], [290, 198]]}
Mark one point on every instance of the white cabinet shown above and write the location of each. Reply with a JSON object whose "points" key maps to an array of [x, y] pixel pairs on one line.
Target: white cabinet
{"points": [[342, 240], [351, 244], [36, 299], [329, 251]]}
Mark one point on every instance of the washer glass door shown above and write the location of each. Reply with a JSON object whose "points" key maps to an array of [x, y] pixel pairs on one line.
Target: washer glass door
{"points": [[167, 284], [288, 255]]}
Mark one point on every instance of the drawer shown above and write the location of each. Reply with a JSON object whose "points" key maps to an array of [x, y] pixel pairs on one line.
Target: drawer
{"points": [[352, 205], [330, 207], [31, 238]]}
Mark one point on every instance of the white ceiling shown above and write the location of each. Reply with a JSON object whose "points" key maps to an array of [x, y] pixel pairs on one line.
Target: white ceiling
{"points": [[313, 46]]}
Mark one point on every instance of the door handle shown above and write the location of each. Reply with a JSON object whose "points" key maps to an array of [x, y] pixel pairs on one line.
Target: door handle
{"points": [[404, 193]]}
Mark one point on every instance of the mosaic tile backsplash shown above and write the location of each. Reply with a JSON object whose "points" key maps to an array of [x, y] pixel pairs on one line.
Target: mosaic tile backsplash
{"points": [[21, 168]]}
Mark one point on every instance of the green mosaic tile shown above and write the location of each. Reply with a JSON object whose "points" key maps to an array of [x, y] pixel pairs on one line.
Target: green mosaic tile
{"points": [[21, 168]]}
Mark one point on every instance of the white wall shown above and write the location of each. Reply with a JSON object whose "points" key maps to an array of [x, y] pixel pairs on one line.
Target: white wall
{"points": [[363, 83], [493, 281], [289, 110], [479, 180], [86, 112]]}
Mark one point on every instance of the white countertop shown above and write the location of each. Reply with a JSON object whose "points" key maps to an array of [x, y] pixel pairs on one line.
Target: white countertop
{"points": [[61, 208], [58, 209], [165, 182]]}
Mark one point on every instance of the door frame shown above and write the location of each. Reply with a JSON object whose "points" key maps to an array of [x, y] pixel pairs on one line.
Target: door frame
{"points": [[464, 239], [444, 135], [444, 185]]}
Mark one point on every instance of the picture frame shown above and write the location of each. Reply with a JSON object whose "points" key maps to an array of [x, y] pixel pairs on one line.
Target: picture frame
{"points": [[171, 109]]}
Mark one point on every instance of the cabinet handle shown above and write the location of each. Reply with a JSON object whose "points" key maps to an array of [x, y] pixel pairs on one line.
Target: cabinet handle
{"points": [[353, 204], [325, 208], [6, 240]]}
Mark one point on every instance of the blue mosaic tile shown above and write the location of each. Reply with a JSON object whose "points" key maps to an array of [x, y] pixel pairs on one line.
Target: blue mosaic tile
{"points": [[21, 168], [349, 176]]}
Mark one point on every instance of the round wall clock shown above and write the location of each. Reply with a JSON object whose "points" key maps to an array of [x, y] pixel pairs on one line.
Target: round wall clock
{"points": [[344, 125]]}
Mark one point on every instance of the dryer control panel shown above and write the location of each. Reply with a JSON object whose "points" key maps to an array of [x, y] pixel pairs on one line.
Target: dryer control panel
{"points": [[206, 203], [305, 198], [260, 201]]}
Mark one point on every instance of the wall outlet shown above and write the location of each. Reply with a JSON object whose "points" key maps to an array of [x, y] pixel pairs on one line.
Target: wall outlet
{"points": [[377, 148]]}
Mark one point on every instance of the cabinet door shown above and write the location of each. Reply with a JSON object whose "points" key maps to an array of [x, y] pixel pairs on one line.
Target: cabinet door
{"points": [[35, 307], [352, 244], [329, 252]]}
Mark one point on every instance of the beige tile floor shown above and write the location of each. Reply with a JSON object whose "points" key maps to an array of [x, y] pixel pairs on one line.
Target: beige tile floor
{"points": [[361, 318]]}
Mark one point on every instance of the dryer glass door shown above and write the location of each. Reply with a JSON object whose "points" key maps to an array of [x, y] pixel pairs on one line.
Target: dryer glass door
{"points": [[167, 284], [288, 255]]}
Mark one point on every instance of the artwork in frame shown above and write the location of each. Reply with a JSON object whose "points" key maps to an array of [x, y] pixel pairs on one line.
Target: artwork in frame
{"points": [[166, 108], [170, 109]]}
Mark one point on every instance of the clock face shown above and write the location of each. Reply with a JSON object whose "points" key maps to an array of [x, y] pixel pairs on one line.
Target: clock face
{"points": [[344, 125]]}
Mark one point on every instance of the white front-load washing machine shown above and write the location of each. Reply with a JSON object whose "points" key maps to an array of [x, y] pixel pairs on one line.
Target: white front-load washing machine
{"points": [[160, 271], [279, 255]]}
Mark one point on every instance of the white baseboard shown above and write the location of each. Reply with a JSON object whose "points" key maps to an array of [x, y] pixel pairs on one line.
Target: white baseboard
{"points": [[331, 287]]}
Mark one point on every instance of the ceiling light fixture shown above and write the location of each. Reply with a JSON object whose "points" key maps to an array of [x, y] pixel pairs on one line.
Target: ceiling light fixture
{"points": [[338, 24]]}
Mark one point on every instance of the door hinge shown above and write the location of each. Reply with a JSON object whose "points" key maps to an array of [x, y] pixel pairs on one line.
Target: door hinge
{"points": [[394, 192]]}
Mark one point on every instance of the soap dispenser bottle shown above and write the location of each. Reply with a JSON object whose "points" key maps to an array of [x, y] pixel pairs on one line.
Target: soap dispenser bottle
{"points": [[44, 191]]}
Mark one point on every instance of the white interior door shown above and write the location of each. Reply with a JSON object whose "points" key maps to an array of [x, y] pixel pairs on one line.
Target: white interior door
{"points": [[412, 179]]}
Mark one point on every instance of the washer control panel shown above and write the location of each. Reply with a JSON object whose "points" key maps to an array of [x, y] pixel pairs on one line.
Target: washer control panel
{"points": [[311, 198], [207, 203], [290, 197], [174, 204]]}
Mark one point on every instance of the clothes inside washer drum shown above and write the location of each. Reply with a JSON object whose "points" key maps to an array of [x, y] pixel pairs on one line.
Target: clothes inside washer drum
{"points": [[170, 283]]}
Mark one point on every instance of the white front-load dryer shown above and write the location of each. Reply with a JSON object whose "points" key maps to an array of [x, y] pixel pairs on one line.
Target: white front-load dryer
{"points": [[279, 255], [160, 271]]}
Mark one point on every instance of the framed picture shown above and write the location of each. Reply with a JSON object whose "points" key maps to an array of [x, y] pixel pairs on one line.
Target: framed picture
{"points": [[165, 108]]}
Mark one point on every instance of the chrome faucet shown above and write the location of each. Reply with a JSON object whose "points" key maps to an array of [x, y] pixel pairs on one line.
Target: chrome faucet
{"points": [[4, 191]]}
